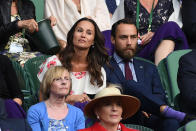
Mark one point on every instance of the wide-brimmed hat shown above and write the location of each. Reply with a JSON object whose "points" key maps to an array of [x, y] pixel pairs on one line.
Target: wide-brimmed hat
{"points": [[130, 104]]}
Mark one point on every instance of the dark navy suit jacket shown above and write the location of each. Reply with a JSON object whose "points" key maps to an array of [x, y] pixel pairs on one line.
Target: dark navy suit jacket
{"points": [[148, 87]]}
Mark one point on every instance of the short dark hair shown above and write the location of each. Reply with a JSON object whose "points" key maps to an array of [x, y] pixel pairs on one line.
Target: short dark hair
{"points": [[122, 21]]}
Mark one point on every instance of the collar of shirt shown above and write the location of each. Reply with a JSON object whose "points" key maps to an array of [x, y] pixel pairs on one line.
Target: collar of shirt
{"points": [[119, 59], [120, 63]]}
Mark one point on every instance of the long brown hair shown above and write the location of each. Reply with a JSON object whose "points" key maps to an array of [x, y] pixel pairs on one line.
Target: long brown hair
{"points": [[97, 55]]}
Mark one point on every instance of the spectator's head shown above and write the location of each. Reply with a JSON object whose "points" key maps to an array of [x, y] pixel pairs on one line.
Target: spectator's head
{"points": [[124, 36], [85, 36], [110, 106], [56, 82]]}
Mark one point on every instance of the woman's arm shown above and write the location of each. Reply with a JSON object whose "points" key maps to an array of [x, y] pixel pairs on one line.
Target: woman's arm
{"points": [[56, 8], [71, 99], [33, 118], [18, 101], [80, 122], [146, 38]]}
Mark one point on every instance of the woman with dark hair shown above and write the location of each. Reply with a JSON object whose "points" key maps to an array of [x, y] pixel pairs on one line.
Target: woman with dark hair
{"points": [[67, 12], [84, 57]]}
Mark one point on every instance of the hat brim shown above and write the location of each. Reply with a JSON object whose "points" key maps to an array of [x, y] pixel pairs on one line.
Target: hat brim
{"points": [[130, 105]]}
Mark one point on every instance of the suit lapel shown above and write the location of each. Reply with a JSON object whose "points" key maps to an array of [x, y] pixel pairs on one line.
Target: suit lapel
{"points": [[117, 70], [139, 70]]}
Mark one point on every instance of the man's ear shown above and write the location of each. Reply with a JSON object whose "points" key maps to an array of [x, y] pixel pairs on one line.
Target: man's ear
{"points": [[113, 40]]}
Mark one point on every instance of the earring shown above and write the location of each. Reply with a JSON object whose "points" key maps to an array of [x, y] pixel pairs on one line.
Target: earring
{"points": [[97, 117], [93, 46]]}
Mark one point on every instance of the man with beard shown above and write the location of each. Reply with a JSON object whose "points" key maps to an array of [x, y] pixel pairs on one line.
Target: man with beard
{"points": [[140, 79]]}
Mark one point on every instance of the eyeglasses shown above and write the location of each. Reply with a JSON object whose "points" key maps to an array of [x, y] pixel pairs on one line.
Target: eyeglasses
{"points": [[62, 79]]}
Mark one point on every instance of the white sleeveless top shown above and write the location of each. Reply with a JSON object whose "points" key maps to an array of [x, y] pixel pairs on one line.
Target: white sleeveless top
{"points": [[80, 80]]}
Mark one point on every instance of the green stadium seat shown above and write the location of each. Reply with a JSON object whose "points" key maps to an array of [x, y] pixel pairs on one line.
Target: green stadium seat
{"points": [[39, 9], [138, 127], [23, 83], [168, 69], [140, 58], [191, 126], [31, 68]]}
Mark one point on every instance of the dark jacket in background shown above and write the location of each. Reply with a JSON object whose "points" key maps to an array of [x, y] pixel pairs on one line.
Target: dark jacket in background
{"points": [[26, 10], [187, 82], [7, 124], [189, 21], [9, 87]]}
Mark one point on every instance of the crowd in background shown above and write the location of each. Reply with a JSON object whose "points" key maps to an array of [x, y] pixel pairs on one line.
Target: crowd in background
{"points": [[95, 81]]}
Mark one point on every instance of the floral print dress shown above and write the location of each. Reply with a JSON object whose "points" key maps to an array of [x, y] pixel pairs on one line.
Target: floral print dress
{"points": [[161, 13]]}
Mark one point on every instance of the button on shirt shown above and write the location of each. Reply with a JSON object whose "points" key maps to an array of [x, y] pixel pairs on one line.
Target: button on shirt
{"points": [[121, 64]]}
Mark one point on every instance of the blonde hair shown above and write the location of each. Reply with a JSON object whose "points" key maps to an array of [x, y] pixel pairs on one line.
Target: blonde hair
{"points": [[51, 74]]}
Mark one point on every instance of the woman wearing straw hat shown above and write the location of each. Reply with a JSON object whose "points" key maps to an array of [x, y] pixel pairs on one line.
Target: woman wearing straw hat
{"points": [[109, 107]]}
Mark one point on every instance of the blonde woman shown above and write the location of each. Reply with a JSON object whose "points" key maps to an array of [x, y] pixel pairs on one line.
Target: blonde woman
{"points": [[54, 112]]}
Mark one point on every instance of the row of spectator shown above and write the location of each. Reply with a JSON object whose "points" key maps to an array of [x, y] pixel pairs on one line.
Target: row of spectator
{"points": [[84, 55]]}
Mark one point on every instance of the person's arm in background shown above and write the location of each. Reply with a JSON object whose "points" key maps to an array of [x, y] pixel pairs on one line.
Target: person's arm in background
{"points": [[51, 9], [33, 117], [80, 122], [6, 30], [12, 81]]}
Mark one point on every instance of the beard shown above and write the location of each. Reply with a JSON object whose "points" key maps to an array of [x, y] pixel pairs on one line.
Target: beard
{"points": [[126, 53]]}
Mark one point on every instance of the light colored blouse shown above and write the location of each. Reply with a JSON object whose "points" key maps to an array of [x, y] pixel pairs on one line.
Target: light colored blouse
{"points": [[67, 14], [80, 80]]}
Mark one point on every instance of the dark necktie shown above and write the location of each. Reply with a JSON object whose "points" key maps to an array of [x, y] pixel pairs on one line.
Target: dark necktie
{"points": [[128, 72]]}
